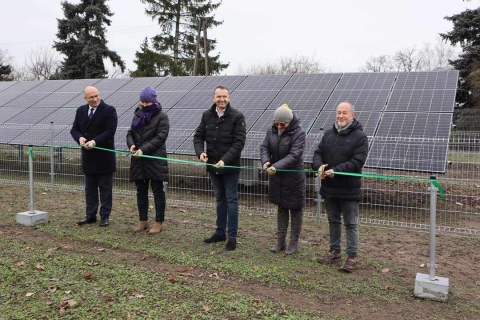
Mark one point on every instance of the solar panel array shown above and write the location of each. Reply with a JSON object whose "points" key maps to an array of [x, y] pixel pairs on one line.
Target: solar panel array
{"points": [[407, 115]]}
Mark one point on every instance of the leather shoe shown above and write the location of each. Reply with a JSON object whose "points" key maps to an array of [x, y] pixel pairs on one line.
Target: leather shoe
{"points": [[104, 222], [86, 220]]}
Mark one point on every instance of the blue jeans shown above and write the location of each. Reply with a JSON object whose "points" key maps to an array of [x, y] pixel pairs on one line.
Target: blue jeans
{"points": [[225, 188], [336, 208], [158, 197]]}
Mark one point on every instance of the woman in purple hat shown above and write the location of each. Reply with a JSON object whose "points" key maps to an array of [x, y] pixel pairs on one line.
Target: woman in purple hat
{"points": [[147, 136]]}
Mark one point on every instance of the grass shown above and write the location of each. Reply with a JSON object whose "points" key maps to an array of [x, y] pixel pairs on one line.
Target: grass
{"points": [[60, 270]]}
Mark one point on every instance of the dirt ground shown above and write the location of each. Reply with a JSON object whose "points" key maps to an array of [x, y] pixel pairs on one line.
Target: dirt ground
{"points": [[398, 254]]}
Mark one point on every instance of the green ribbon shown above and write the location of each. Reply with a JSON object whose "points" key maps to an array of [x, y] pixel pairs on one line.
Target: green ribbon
{"points": [[434, 182]]}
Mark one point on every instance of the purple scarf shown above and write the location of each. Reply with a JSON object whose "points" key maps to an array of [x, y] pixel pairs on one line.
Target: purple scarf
{"points": [[146, 114]]}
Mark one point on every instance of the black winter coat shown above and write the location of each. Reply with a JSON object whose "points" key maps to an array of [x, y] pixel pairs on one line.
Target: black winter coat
{"points": [[224, 136], [344, 151], [151, 140], [285, 189], [100, 128]]}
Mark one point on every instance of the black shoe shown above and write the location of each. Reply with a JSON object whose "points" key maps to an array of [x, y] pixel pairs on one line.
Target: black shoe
{"points": [[231, 244], [86, 220], [104, 222], [215, 238]]}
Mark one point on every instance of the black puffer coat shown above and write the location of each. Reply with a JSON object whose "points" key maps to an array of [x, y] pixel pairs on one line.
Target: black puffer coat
{"points": [[286, 189], [224, 136], [151, 140], [344, 151]]}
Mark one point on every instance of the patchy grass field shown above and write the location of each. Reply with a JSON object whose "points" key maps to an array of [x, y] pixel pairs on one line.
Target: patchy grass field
{"points": [[63, 271]]}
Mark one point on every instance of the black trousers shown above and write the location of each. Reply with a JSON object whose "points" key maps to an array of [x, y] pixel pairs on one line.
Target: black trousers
{"points": [[94, 184]]}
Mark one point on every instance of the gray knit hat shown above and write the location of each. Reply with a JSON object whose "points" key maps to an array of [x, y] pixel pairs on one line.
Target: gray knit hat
{"points": [[283, 114]]}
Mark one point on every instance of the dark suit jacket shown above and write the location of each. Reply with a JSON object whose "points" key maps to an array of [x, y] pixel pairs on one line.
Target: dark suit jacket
{"points": [[102, 129]]}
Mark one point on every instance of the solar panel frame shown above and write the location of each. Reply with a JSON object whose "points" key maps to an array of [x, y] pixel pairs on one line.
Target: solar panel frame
{"points": [[312, 82], [78, 85], [248, 100], [367, 81], [264, 83], [137, 84], [31, 116]]}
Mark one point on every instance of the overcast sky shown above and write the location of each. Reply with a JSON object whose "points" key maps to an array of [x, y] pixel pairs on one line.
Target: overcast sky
{"points": [[342, 34]]}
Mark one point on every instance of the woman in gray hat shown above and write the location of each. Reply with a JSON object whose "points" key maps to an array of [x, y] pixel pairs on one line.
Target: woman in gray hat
{"points": [[282, 149]]}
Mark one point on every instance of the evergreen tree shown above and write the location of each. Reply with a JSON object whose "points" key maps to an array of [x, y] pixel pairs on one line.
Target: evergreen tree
{"points": [[176, 45], [82, 40], [466, 32], [5, 72], [150, 63]]}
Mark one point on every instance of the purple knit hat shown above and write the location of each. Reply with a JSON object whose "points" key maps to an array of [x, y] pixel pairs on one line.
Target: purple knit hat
{"points": [[148, 94]]}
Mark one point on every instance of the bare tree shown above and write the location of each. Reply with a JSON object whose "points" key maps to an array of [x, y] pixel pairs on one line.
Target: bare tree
{"points": [[42, 63], [437, 55], [116, 73], [287, 65], [382, 63], [408, 59]]}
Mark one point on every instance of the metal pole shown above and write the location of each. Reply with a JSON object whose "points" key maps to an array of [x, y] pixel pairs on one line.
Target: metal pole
{"points": [[52, 160], [433, 227], [319, 185], [30, 177]]}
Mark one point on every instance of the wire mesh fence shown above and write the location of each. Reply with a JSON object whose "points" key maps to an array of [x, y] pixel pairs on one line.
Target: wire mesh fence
{"points": [[385, 202]]}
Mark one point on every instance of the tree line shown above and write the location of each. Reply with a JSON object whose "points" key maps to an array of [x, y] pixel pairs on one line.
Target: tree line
{"points": [[183, 48]]}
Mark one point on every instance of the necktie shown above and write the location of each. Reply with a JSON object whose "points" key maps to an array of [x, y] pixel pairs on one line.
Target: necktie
{"points": [[90, 115]]}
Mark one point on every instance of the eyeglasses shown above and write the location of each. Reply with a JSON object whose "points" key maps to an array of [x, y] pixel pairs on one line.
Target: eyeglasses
{"points": [[280, 124]]}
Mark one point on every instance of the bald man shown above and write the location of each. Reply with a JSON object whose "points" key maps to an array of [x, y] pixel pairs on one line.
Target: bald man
{"points": [[343, 148], [94, 126]]}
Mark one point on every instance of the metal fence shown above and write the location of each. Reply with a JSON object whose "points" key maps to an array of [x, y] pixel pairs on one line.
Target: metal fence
{"points": [[385, 202]]}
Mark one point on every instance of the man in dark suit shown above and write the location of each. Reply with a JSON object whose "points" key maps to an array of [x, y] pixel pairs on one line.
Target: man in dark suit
{"points": [[95, 125]]}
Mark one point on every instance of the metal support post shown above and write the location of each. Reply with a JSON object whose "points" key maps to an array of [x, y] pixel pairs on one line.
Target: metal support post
{"points": [[433, 226], [52, 160], [319, 185]]}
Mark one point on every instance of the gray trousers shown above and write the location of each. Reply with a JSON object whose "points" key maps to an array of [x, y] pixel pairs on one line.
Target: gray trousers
{"points": [[348, 209]]}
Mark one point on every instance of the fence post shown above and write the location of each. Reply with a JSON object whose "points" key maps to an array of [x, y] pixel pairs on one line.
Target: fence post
{"points": [[52, 160], [32, 217], [428, 285]]}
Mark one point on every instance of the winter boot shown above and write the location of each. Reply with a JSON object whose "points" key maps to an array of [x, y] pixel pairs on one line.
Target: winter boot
{"points": [[296, 227], [157, 227], [142, 226], [282, 226]]}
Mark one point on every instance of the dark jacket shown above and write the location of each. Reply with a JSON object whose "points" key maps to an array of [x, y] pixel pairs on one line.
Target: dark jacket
{"points": [[151, 139], [224, 136], [344, 151], [102, 129], [285, 189]]}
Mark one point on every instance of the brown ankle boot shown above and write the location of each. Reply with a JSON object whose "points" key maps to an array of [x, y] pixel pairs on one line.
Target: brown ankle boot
{"points": [[142, 226], [157, 227]]}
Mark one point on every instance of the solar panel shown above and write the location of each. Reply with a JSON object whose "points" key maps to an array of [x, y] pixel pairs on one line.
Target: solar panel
{"points": [[50, 86], [422, 154], [311, 143], [209, 83], [61, 116], [407, 114], [183, 84], [111, 84], [271, 82], [184, 119], [419, 125], [247, 100], [369, 121], [137, 84], [35, 135], [78, 85], [362, 100], [27, 99], [252, 145], [422, 100], [64, 138], [187, 146], [56, 99], [427, 80], [196, 100], [31, 116], [301, 100], [6, 84], [21, 87], [121, 139], [176, 138], [7, 113], [312, 82], [367, 81]]}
